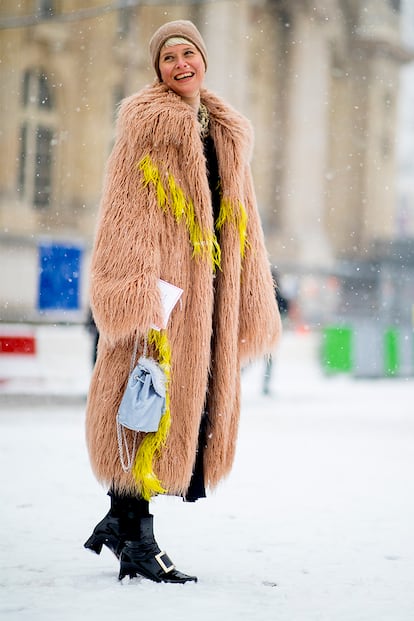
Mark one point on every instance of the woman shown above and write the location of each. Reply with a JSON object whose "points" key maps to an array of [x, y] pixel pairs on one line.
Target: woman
{"points": [[178, 205]]}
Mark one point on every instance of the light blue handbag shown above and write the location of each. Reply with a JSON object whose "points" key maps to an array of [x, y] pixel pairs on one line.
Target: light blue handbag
{"points": [[142, 404]]}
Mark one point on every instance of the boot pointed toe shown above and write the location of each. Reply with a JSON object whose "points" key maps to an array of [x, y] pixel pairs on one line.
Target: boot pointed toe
{"points": [[139, 559], [144, 557]]}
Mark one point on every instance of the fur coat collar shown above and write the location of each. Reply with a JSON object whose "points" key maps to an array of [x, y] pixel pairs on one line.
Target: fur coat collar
{"points": [[165, 119]]}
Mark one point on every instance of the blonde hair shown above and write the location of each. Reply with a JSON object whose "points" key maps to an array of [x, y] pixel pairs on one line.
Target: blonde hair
{"points": [[177, 41]]}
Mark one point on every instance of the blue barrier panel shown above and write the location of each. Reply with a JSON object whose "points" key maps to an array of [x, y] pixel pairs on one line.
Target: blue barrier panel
{"points": [[59, 274]]}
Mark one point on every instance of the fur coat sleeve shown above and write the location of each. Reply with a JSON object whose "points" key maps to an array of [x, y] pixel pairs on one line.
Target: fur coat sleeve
{"points": [[126, 258], [259, 319], [259, 325]]}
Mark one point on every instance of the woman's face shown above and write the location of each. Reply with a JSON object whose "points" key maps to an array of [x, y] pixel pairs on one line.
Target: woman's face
{"points": [[182, 69]]}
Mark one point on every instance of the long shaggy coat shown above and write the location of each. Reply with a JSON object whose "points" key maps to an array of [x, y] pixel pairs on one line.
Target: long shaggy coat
{"points": [[156, 221]]}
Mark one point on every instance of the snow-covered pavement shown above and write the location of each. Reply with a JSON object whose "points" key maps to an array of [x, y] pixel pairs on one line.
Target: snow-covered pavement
{"points": [[315, 523]]}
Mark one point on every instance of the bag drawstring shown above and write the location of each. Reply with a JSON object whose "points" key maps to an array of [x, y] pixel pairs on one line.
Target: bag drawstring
{"points": [[135, 351]]}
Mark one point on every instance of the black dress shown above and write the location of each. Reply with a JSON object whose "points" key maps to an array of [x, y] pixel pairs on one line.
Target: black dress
{"points": [[196, 488]]}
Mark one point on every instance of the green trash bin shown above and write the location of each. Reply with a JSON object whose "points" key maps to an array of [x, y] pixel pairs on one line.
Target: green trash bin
{"points": [[391, 352], [336, 351]]}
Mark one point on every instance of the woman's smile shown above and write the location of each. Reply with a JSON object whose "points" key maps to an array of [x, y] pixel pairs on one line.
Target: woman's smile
{"points": [[184, 76]]}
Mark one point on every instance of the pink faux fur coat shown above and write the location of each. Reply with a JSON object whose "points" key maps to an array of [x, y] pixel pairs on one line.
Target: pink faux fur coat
{"points": [[156, 221]]}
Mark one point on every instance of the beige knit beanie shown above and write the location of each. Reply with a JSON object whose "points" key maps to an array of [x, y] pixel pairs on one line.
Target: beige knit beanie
{"points": [[180, 28]]}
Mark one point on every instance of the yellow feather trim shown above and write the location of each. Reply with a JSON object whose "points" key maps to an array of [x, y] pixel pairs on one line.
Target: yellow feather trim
{"points": [[204, 243], [236, 213], [143, 472], [152, 175], [179, 204]]}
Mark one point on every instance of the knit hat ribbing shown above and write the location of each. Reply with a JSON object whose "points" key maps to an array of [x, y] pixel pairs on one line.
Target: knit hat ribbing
{"points": [[179, 28]]}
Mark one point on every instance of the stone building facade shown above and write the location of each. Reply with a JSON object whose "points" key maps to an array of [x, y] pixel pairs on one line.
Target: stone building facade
{"points": [[318, 78]]}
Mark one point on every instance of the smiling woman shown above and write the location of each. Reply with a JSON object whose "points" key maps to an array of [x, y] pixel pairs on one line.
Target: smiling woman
{"points": [[178, 205], [182, 68]]}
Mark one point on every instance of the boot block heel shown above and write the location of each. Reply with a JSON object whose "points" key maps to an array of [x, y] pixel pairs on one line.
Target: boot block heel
{"points": [[106, 533], [94, 543]]}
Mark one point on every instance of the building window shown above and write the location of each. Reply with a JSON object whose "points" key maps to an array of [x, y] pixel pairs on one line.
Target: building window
{"points": [[44, 97], [23, 155], [46, 8], [124, 21], [43, 166], [36, 91], [35, 174]]}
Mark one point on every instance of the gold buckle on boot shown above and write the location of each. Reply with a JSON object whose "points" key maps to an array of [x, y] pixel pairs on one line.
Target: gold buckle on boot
{"points": [[159, 558]]}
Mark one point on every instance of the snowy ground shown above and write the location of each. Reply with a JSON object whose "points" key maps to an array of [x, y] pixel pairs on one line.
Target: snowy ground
{"points": [[315, 522]]}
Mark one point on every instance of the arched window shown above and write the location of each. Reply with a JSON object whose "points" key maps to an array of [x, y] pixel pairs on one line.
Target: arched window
{"points": [[36, 139]]}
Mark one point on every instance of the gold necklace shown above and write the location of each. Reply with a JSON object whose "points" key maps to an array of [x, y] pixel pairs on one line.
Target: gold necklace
{"points": [[204, 120]]}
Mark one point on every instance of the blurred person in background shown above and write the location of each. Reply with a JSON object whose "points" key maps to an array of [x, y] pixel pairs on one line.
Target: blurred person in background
{"points": [[284, 305], [179, 205]]}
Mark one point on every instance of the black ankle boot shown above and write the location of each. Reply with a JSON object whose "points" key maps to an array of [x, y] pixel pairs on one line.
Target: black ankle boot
{"points": [[143, 557], [118, 523], [107, 532]]}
